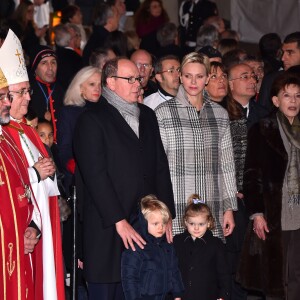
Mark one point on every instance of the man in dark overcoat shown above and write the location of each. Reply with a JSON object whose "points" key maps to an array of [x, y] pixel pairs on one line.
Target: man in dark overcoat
{"points": [[120, 158]]}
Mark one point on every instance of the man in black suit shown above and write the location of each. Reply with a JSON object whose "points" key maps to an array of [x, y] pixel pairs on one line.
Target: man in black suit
{"points": [[242, 84], [67, 40], [143, 60], [120, 158], [290, 57], [192, 13], [106, 20]]}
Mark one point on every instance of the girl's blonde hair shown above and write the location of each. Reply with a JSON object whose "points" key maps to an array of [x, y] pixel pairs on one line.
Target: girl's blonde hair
{"points": [[151, 204], [196, 206]]}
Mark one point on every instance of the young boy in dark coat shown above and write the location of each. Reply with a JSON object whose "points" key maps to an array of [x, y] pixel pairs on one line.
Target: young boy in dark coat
{"points": [[151, 273]]}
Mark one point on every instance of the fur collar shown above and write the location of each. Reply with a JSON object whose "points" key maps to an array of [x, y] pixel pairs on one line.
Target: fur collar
{"points": [[270, 130]]}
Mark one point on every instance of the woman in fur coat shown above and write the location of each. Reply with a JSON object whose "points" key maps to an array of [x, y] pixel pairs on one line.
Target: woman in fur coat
{"points": [[270, 259]]}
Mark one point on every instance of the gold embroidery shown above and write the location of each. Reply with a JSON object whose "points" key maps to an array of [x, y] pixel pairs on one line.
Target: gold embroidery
{"points": [[11, 264], [2, 250], [1, 181], [15, 127], [15, 226], [18, 54], [20, 197]]}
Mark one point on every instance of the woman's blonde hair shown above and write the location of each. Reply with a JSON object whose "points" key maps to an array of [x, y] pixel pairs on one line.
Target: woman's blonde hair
{"points": [[73, 94], [151, 204], [195, 57], [195, 207]]}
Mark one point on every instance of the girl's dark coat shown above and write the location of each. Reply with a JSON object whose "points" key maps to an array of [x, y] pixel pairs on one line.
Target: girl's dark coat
{"points": [[203, 266]]}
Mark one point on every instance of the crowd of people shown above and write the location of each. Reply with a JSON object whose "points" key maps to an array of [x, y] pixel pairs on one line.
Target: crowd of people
{"points": [[183, 149]]}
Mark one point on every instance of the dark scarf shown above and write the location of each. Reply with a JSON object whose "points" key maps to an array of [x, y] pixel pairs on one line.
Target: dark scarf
{"points": [[292, 132]]}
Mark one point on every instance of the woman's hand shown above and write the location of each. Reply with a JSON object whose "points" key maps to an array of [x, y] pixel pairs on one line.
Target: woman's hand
{"points": [[228, 223], [260, 227]]}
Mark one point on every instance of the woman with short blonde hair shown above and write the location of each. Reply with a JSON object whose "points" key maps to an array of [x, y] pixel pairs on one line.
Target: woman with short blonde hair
{"points": [[196, 136]]}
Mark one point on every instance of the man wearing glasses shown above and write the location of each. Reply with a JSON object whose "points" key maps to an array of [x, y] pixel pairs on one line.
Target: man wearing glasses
{"points": [[167, 71], [143, 60], [41, 171], [243, 85], [18, 230], [120, 158]]}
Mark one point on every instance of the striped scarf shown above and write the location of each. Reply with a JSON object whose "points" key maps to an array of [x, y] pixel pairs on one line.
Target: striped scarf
{"points": [[129, 111]]}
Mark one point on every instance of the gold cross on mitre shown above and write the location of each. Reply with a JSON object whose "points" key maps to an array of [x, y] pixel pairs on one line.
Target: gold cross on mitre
{"points": [[12, 60], [18, 54]]}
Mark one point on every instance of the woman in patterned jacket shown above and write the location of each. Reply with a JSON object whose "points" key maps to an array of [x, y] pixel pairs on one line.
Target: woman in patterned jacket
{"points": [[196, 135]]}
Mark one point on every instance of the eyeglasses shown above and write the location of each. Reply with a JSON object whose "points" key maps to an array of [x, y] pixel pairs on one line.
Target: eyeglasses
{"points": [[130, 79], [171, 70], [21, 93], [146, 66], [4, 97], [246, 77], [215, 77]]}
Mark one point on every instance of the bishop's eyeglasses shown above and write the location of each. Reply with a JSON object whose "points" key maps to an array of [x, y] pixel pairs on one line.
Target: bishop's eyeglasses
{"points": [[21, 93]]}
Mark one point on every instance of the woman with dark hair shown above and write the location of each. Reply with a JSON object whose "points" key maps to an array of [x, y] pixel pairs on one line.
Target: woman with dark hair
{"points": [[72, 14], [117, 42], [270, 259], [150, 16], [23, 25], [217, 86], [218, 91]]}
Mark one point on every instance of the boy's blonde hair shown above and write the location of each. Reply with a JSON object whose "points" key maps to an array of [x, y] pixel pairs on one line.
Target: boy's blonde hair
{"points": [[151, 204], [196, 206]]}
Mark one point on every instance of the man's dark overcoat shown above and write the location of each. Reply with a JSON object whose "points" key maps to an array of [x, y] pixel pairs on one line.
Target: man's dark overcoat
{"points": [[118, 169], [261, 266]]}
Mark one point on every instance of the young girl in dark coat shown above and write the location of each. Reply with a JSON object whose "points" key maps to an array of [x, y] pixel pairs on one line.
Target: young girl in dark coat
{"points": [[152, 273], [202, 258]]}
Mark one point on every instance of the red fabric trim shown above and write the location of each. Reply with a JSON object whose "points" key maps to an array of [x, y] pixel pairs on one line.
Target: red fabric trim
{"points": [[51, 107], [54, 216]]}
